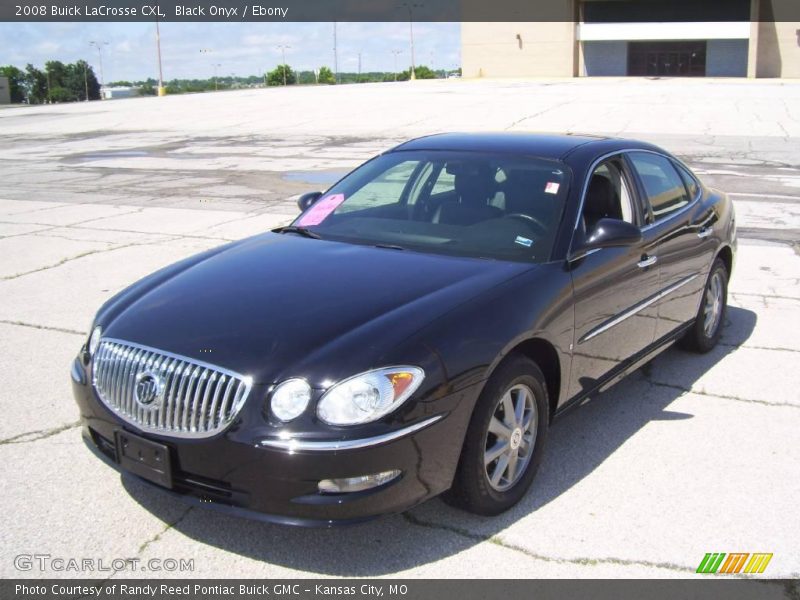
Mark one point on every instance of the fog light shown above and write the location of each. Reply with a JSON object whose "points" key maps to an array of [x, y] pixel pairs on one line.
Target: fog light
{"points": [[356, 484]]}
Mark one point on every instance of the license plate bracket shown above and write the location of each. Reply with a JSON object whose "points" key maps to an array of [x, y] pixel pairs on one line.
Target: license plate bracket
{"points": [[147, 459]]}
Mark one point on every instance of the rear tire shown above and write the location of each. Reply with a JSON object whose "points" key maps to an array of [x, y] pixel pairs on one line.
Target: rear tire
{"points": [[505, 440], [707, 327]]}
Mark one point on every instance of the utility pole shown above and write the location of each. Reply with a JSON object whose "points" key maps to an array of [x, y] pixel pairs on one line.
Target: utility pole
{"points": [[99, 45], [359, 65], [161, 90], [86, 80], [283, 48], [410, 7], [335, 56], [396, 52], [216, 82]]}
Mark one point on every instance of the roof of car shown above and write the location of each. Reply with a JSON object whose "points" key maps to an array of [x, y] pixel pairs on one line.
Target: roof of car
{"points": [[535, 144]]}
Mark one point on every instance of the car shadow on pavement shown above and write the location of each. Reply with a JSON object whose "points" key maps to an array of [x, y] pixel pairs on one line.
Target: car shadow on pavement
{"points": [[579, 442]]}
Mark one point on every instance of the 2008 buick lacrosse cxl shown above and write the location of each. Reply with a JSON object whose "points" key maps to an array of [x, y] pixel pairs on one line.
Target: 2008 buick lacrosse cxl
{"points": [[413, 332]]}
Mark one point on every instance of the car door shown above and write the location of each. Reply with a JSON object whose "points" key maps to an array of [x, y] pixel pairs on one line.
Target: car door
{"points": [[613, 287], [679, 243]]}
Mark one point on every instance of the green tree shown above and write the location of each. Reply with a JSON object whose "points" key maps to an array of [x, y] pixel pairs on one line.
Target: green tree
{"points": [[148, 87], [276, 76], [326, 75], [420, 72], [60, 94], [306, 77], [56, 73], [35, 85], [16, 82], [79, 79]]}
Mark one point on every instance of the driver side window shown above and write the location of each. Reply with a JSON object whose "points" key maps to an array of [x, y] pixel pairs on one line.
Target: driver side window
{"points": [[608, 196]]}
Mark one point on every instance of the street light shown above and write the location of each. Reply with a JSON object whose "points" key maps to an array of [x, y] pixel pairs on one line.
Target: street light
{"points": [[215, 65], [335, 56], [216, 83], [161, 90], [396, 52], [283, 48], [99, 45], [410, 7]]}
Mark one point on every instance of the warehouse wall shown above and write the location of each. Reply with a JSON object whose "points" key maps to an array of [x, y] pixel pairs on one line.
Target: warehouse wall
{"points": [[726, 58], [605, 58], [518, 49]]}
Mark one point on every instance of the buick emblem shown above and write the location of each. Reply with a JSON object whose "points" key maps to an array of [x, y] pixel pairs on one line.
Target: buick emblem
{"points": [[147, 389]]}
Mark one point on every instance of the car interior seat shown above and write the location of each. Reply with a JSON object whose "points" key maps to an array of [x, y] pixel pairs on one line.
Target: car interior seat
{"points": [[602, 202], [473, 185]]}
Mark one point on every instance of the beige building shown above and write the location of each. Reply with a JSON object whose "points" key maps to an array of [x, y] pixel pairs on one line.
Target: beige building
{"points": [[736, 38]]}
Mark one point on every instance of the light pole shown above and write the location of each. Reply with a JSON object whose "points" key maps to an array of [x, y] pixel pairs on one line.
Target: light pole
{"points": [[86, 80], [99, 45], [215, 65], [410, 7], [335, 57], [283, 48], [161, 90], [216, 83], [396, 52]]}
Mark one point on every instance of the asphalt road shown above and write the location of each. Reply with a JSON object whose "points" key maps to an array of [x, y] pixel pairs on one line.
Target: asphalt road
{"points": [[692, 454]]}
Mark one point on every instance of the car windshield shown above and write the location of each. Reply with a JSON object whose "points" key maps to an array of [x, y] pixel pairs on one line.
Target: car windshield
{"points": [[497, 206]]}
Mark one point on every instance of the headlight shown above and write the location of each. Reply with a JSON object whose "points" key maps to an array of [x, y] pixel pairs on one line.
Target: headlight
{"points": [[94, 340], [369, 396], [290, 399]]}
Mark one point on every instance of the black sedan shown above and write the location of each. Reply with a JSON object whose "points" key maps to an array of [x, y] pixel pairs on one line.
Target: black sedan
{"points": [[413, 332]]}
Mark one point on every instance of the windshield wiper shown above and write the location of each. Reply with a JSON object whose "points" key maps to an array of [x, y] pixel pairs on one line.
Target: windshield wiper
{"points": [[299, 231], [389, 246]]}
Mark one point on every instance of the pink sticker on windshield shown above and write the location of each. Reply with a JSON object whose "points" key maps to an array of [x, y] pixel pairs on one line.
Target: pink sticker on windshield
{"points": [[320, 210], [551, 187]]}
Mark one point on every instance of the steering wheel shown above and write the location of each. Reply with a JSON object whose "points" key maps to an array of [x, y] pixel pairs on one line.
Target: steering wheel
{"points": [[529, 219]]}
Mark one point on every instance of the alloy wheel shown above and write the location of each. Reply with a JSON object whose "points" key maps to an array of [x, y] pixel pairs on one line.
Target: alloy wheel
{"points": [[511, 437], [712, 311]]}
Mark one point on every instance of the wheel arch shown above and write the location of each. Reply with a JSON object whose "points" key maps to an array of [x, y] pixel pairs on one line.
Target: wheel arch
{"points": [[726, 254], [545, 355]]}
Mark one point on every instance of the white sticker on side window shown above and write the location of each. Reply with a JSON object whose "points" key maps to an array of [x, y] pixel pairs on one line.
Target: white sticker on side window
{"points": [[523, 241], [551, 187]]}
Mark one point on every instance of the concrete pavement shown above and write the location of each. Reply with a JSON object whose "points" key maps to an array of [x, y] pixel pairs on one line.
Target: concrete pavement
{"points": [[692, 454]]}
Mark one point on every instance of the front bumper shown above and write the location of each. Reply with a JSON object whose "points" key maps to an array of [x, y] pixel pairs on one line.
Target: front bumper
{"points": [[244, 473]]}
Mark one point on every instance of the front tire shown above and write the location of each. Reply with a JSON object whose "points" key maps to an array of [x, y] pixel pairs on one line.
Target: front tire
{"points": [[707, 327], [505, 440]]}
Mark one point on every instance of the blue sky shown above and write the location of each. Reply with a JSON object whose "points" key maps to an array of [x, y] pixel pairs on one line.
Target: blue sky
{"points": [[241, 48]]}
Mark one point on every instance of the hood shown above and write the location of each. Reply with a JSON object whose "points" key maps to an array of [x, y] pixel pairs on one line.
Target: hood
{"points": [[269, 302]]}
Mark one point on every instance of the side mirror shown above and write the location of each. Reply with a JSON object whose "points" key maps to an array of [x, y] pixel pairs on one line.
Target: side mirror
{"points": [[608, 233], [306, 200]]}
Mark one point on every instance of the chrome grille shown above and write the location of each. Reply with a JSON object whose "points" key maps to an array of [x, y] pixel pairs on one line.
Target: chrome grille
{"points": [[189, 398]]}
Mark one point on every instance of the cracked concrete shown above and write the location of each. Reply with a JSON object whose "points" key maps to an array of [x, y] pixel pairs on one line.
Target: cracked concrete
{"points": [[692, 454]]}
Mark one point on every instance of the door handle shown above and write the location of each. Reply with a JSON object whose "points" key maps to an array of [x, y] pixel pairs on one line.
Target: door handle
{"points": [[647, 261], [704, 232]]}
